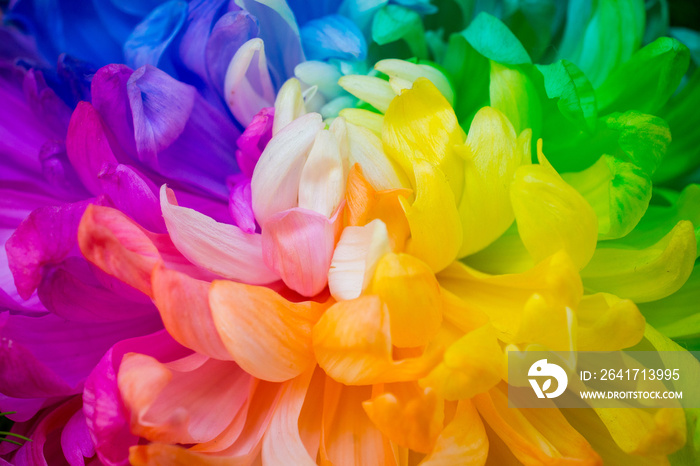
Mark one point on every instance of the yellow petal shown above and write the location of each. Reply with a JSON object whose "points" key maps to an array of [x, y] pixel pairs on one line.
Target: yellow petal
{"points": [[421, 124], [463, 441], [471, 365], [408, 415], [551, 215], [491, 158], [503, 297], [268, 336], [648, 432], [409, 72], [513, 93], [375, 91], [608, 323], [352, 343], [647, 274], [364, 118], [412, 295], [547, 323], [436, 232], [535, 436]]}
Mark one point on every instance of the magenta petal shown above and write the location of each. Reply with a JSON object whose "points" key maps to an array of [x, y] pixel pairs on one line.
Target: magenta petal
{"points": [[133, 194], [45, 103], [88, 146], [72, 291], [254, 140], [298, 245], [75, 440], [47, 236], [106, 418], [39, 451], [241, 205], [48, 356]]}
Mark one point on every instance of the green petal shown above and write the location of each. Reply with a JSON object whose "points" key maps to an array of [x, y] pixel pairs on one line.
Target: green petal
{"points": [[599, 36], [470, 73], [647, 80], [394, 22], [683, 118], [647, 274], [492, 39], [564, 81], [618, 191], [677, 316]]}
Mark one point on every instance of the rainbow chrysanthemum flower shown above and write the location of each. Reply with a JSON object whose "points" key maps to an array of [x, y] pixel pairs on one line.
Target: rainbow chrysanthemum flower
{"points": [[312, 232]]}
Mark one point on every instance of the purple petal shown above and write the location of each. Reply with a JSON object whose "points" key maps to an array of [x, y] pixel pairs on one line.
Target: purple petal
{"points": [[230, 32], [106, 418], [173, 125], [45, 103], [110, 99]]}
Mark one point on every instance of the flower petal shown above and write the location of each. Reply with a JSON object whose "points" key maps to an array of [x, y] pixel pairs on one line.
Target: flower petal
{"points": [[552, 215], [298, 245], [322, 182], [462, 441], [355, 259], [411, 293], [352, 343], [218, 247], [491, 157], [275, 182], [436, 231], [268, 336], [183, 303], [248, 86]]}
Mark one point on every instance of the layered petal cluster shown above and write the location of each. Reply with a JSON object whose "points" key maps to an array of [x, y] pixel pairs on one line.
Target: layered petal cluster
{"points": [[237, 244]]}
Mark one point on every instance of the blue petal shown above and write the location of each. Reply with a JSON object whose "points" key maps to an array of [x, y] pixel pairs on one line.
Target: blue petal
{"points": [[333, 37], [152, 37], [421, 6], [306, 10]]}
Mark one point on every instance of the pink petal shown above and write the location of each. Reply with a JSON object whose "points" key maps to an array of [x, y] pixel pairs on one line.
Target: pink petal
{"points": [[254, 140], [298, 245], [182, 402], [240, 204], [47, 236], [220, 248], [105, 415]]}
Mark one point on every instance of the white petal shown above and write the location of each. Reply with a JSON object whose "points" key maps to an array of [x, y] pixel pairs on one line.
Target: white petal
{"points": [[366, 149], [289, 105], [275, 183], [375, 91], [408, 71], [355, 258], [247, 86], [218, 247], [322, 184]]}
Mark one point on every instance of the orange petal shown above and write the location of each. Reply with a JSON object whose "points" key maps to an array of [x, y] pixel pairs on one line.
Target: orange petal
{"points": [[352, 343], [183, 303], [411, 293], [268, 336], [408, 415]]}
